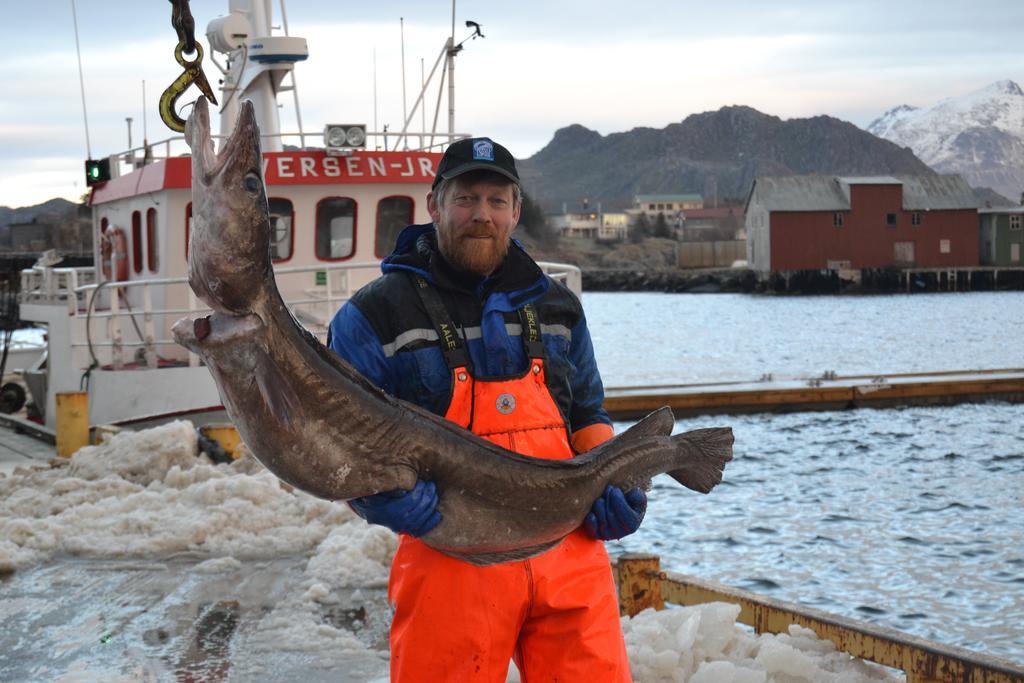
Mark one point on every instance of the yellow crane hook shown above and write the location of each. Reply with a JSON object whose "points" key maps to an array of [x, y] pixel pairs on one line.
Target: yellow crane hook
{"points": [[193, 73]]}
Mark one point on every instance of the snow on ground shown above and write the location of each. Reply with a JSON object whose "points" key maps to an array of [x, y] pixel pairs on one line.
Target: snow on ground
{"points": [[703, 644], [147, 495], [152, 496]]}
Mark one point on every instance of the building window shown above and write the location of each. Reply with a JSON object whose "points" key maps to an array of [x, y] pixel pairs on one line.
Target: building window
{"points": [[890, 220], [282, 234], [915, 218], [837, 219], [393, 214], [335, 228], [137, 241], [944, 247], [1015, 222], [152, 260], [650, 207]]}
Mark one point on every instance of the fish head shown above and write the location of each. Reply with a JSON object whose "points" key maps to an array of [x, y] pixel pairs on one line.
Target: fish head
{"points": [[229, 261]]}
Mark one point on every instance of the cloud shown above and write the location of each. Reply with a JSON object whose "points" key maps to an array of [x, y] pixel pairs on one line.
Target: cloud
{"points": [[28, 181], [604, 65]]}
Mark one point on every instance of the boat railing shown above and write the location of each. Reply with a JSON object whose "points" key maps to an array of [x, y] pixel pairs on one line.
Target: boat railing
{"points": [[565, 273], [43, 284], [136, 332], [123, 324], [375, 141]]}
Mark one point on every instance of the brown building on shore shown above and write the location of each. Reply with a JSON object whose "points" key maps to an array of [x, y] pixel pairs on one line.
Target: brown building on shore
{"points": [[824, 222]]}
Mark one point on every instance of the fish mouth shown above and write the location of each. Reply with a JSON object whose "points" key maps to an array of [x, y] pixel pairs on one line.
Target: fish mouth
{"points": [[216, 330], [245, 138]]}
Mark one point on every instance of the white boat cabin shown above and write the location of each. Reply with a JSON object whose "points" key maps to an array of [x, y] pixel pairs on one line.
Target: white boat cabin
{"points": [[335, 213]]}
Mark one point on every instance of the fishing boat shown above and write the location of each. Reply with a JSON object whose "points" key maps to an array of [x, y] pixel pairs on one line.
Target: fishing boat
{"points": [[335, 206]]}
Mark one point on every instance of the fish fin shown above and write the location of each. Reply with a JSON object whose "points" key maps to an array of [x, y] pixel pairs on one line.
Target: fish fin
{"points": [[709, 450], [487, 559], [278, 393], [658, 423]]}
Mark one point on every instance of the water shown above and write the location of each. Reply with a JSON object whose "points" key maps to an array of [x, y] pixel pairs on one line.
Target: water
{"points": [[651, 338], [909, 518]]}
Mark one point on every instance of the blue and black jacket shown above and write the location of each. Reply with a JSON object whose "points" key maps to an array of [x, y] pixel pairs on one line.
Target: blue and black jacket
{"points": [[384, 330]]}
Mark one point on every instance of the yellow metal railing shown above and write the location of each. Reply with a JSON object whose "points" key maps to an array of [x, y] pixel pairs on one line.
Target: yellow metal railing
{"points": [[642, 584]]}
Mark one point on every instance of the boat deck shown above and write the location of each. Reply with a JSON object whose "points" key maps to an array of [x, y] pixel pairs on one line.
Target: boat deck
{"points": [[23, 444]]}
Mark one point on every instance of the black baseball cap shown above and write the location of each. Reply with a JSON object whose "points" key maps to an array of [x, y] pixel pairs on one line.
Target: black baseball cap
{"points": [[476, 154]]}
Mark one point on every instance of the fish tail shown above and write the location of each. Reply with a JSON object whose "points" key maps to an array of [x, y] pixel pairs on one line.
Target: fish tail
{"points": [[658, 423], [705, 452]]}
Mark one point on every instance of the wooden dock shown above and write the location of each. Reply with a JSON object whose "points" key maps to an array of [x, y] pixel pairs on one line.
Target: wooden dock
{"points": [[829, 392]]}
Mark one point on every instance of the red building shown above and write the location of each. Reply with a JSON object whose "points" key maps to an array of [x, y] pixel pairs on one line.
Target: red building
{"points": [[823, 222]]}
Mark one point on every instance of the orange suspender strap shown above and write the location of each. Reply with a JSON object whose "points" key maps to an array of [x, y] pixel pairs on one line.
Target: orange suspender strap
{"points": [[590, 436]]}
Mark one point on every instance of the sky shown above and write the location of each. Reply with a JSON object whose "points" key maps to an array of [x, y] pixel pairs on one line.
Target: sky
{"points": [[542, 65]]}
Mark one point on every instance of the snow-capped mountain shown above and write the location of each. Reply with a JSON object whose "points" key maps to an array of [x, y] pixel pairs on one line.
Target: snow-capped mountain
{"points": [[979, 135]]}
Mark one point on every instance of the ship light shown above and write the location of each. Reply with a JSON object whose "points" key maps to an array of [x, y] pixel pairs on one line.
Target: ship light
{"points": [[341, 138], [97, 171]]}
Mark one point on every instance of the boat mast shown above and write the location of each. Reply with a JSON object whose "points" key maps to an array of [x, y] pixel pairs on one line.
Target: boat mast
{"points": [[452, 51], [257, 64]]}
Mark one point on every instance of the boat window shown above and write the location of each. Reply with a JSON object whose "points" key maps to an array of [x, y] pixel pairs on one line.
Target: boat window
{"points": [[104, 223], [335, 228], [393, 214], [137, 241], [152, 261], [282, 236]]}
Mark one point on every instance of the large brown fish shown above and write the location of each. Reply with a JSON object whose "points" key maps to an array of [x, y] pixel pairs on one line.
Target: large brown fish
{"points": [[316, 423]]}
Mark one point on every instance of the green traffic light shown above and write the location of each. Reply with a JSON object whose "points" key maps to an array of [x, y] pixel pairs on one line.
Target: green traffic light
{"points": [[97, 171]]}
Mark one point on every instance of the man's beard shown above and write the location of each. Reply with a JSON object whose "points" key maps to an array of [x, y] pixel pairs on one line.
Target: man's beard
{"points": [[477, 256]]}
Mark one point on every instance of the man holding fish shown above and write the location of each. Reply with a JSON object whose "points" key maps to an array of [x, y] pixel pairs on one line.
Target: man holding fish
{"points": [[465, 324]]}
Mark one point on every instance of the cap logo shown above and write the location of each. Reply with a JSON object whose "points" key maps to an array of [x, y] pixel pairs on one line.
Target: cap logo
{"points": [[483, 150]]}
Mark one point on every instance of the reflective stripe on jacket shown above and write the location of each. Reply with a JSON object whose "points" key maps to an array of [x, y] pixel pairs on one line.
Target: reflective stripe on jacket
{"points": [[385, 333]]}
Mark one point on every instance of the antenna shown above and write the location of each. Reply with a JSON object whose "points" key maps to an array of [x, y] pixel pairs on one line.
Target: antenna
{"points": [[145, 135], [423, 109], [447, 56], [81, 81], [295, 85], [405, 109], [375, 128], [451, 79]]}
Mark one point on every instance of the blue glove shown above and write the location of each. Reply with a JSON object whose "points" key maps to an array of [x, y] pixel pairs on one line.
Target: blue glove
{"points": [[404, 512], [615, 515]]}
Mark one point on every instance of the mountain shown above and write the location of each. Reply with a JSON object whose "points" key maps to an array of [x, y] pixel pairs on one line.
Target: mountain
{"points": [[50, 211], [979, 135], [723, 150]]}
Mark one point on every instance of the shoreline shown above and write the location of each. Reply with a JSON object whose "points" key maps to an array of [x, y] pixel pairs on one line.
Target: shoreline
{"points": [[746, 281]]}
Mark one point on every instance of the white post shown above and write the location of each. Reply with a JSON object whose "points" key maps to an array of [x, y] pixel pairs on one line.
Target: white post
{"points": [[114, 329], [148, 327], [193, 359]]}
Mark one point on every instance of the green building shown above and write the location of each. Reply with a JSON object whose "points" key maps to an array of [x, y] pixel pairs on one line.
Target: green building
{"points": [[1000, 234]]}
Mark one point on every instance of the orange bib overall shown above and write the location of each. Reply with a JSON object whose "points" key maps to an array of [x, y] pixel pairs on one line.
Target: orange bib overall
{"points": [[556, 614]]}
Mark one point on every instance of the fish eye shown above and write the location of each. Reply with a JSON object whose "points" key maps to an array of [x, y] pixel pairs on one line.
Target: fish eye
{"points": [[251, 183]]}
